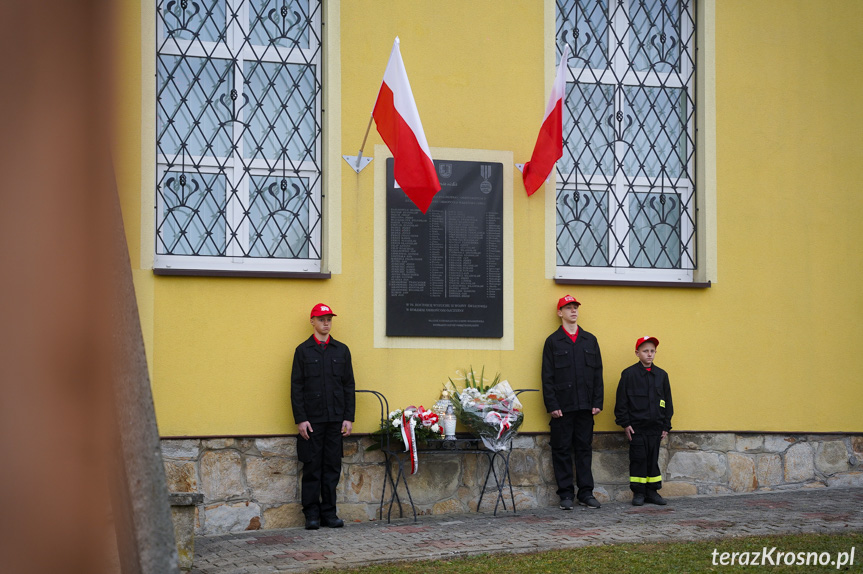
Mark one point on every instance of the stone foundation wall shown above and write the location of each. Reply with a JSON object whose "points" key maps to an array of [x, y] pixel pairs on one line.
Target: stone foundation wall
{"points": [[253, 483]]}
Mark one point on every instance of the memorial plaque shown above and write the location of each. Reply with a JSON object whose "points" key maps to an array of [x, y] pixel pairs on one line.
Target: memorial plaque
{"points": [[445, 267]]}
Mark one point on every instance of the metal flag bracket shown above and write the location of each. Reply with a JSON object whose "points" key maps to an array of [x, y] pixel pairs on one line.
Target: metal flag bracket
{"points": [[357, 162]]}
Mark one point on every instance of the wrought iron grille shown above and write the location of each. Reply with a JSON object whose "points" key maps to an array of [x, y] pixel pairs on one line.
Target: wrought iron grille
{"points": [[238, 108], [626, 181]]}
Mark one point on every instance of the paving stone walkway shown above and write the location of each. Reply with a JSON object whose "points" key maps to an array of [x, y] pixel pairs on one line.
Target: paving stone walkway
{"points": [[822, 510]]}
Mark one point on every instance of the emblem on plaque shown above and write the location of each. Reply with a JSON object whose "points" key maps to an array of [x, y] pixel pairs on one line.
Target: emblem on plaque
{"points": [[485, 172], [445, 170]]}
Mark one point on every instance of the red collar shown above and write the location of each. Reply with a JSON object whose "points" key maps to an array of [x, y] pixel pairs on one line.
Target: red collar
{"points": [[574, 336]]}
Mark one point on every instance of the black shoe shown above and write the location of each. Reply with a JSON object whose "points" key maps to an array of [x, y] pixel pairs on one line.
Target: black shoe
{"points": [[333, 522], [637, 499], [312, 523], [590, 502], [566, 504], [655, 498]]}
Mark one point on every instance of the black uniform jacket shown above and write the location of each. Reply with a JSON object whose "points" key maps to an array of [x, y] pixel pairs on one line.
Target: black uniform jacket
{"points": [[322, 382], [571, 372], [644, 399]]}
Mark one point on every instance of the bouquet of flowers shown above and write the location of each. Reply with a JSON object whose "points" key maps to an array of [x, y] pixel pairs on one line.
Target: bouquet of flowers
{"points": [[410, 426], [490, 410]]}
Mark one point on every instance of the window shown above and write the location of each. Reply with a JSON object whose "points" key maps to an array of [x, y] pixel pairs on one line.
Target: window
{"points": [[625, 201], [238, 139]]}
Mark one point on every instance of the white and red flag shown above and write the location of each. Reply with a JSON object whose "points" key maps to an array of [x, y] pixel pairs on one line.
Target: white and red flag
{"points": [[549, 142], [398, 122]]}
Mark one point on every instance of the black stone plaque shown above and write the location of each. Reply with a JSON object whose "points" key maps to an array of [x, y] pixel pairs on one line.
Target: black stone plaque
{"points": [[445, 267]]}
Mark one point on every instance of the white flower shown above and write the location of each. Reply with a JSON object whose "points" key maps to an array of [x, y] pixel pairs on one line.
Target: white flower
{"points": [[397, 422], [435, 428]]}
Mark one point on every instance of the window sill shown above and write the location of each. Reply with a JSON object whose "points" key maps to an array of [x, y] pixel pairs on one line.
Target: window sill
{"points": [[630, 283], [237, 273]]}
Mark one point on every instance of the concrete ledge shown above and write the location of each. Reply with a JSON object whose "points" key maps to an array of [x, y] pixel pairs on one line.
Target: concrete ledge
{"points": [[183, 511]]}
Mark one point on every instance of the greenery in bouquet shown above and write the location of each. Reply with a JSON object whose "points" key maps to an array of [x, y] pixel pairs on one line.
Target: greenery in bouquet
{"points": [[490, 409], [425, 423]]}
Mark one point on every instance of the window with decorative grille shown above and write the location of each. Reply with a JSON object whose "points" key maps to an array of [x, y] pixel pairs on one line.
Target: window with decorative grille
{"points": [[238, 138], [625, 201]]}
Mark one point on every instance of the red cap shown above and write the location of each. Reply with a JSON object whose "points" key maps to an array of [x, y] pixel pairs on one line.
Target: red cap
{"points": [[566, 300], [321, 309], [645, 339]]}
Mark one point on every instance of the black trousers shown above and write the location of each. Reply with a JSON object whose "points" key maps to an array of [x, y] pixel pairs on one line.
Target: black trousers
{"points": [[644, 474], [321, 456], [572, 436]]}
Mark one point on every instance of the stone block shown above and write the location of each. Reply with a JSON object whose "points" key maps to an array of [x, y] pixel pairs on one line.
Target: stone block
{"points": [[749, 442], [546, 470], [435, 480], [284, 516], [219, 443], [799, 463], [601, 494], [360, 512], [546, 495], [473, 473], [222, 475], [364, 482], [523, 442], [741, 472], [351, 450], [272, 480], [524, 467], [768, 470], [699, 466], [224, 518], [663, 457], [611, 467], [448, 506], [371, 456], [831, 457], [854, 478], [181, 449], [468, 497], [722, 442], [676, 488], [857, 447], [525, 498], [277, 446], [610, 441], [181, 476], [626, 495], [778, 442]]}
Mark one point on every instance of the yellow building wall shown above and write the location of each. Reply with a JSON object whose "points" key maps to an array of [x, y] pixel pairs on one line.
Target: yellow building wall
{"points": [[770, 346]]}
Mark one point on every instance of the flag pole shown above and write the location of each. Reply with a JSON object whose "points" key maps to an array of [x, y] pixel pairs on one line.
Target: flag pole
{"points": [[357, 163], [363, 146]]}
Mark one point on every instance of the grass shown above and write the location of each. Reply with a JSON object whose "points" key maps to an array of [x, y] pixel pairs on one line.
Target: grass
{"points": [[678, 557]]}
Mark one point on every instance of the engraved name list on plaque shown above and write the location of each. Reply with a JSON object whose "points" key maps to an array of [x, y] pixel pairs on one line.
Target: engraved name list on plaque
{"points": [[445, 267]]}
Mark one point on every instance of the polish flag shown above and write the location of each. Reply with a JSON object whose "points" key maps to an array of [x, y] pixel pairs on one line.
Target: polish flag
{"points": [[549, 142], [398, 122]]}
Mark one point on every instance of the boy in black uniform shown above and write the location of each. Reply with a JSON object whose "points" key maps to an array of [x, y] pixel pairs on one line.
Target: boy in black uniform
{"points": [[573, 393], [322, 397], [644, 409]]}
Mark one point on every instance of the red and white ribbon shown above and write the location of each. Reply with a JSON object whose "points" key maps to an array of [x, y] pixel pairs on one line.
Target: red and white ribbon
{"points": [[502, 421], [409, 437]]}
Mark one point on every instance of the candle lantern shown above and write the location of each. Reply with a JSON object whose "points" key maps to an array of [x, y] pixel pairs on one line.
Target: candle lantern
{"points": [[449, 421], [441, 405]]}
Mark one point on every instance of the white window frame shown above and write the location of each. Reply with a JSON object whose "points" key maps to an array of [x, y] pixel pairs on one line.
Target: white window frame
{"points": [[233, 260], [617, 271]]}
